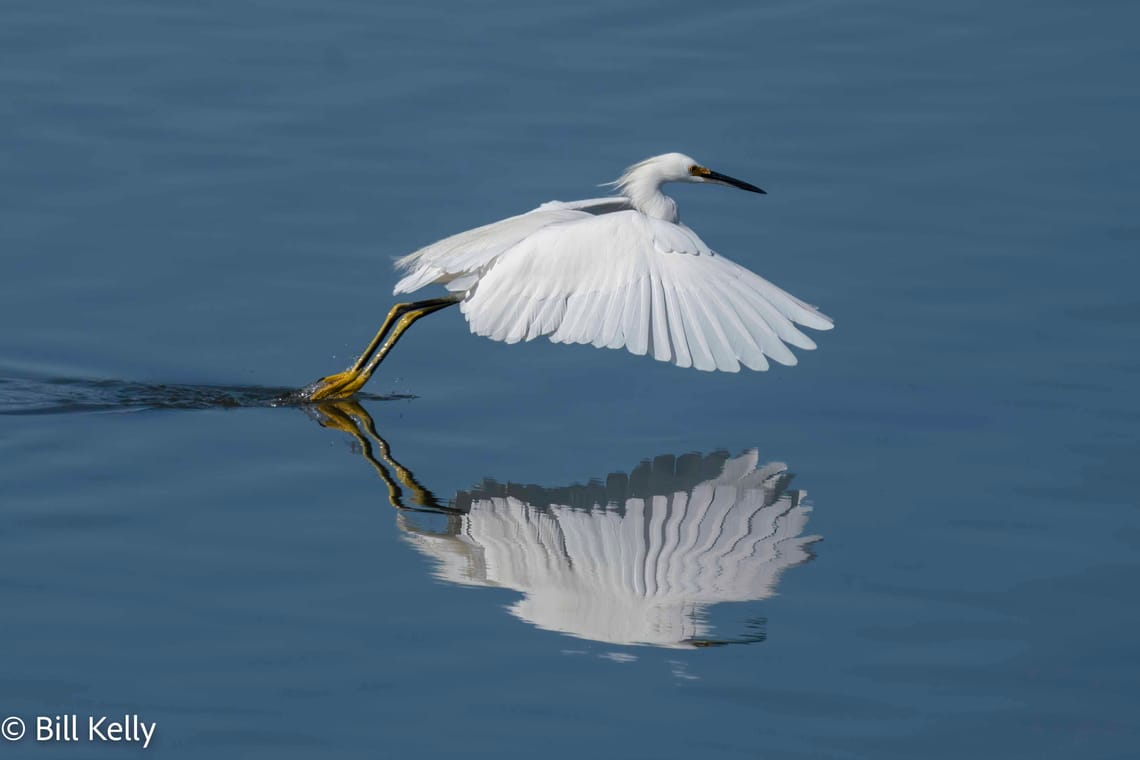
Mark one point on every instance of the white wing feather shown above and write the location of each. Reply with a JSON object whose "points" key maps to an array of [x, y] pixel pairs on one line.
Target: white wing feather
{"points": [[615, 280], [457, 261]]}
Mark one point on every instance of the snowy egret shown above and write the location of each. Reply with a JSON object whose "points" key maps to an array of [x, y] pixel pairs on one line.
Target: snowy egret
{"points": [[616, 272]]}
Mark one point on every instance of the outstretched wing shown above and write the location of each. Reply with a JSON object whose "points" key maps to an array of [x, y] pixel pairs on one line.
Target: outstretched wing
{"points": [[457, 261], [623, 279]]}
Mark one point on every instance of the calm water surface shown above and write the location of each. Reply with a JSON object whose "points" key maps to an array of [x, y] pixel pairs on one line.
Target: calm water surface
{"points": [[926, 534]]}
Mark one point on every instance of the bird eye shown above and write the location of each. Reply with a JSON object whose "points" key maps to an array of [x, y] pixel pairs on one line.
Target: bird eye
{"points": [[695, 170]]}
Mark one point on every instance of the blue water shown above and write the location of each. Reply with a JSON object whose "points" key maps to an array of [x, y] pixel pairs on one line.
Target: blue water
{"points": [[199, 205]]}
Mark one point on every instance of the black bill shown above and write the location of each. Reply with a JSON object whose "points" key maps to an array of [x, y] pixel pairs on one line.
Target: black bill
{"points": [[718, 177]]}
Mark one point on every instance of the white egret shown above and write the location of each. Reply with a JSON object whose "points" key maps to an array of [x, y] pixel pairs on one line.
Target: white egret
{"points": [[616, 272]]}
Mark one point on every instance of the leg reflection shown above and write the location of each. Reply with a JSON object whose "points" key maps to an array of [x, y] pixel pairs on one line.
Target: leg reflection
{"points": [[350, 417]]}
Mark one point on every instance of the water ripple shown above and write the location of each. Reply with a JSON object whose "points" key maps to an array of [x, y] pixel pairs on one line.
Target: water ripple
{"points": [[63, 395]]}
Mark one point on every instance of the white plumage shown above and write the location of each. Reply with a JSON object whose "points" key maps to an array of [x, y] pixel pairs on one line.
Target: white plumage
{"points": [[620, 272], [638, 560]]}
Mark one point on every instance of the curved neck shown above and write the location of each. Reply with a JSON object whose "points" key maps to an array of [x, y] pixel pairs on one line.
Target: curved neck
{"points": [[643, 189]]}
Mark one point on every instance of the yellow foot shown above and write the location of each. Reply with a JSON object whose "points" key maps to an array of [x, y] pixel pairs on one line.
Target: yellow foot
{"points": [[338, 386]]}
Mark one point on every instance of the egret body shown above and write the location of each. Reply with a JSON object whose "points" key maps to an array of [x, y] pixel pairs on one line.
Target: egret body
{"points": [[616, 272]]}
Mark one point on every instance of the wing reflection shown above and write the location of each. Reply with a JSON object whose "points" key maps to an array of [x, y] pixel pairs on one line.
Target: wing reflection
{"points": [[637, 559]]}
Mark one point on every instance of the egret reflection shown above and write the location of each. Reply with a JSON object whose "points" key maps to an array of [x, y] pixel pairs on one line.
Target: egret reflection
{"points": [[639, 558]]}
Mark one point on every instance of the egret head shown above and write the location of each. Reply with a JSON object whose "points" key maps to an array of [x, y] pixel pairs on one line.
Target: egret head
{"points": [[677, 167], [642, 182]]}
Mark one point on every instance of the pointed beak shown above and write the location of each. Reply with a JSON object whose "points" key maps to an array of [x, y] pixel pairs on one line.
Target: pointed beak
{"points": [[724, 179]]}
